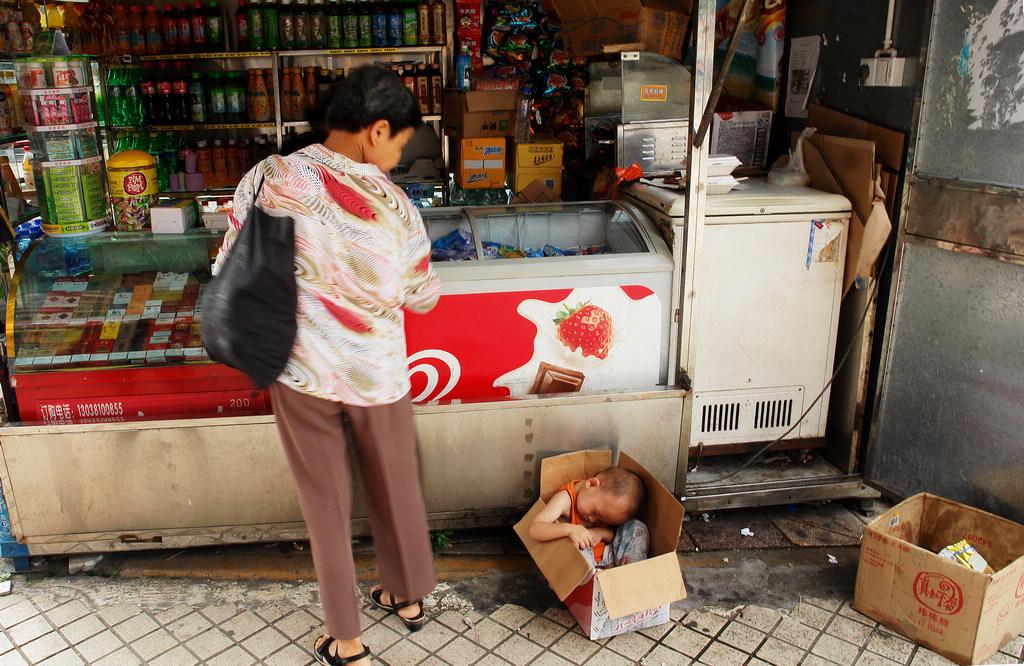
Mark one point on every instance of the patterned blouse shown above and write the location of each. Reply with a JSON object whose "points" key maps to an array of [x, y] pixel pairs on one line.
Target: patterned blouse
{"points": [[362, 257]]}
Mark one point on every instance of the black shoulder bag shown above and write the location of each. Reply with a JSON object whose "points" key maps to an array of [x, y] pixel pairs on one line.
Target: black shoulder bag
{"points": [[248, 310]]}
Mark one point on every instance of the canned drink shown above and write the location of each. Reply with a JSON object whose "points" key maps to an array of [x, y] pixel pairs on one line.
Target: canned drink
{"points": [[70, 74]]}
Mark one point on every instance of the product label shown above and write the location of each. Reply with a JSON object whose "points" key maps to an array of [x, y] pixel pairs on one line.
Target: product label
{"points": [[652, 93]]}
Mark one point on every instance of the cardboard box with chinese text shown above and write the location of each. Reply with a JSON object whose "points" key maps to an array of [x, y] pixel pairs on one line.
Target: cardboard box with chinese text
{"points": [[481, 163], [620, 599], [960, 613], [592, 27], [538, 160], [480, 113]]}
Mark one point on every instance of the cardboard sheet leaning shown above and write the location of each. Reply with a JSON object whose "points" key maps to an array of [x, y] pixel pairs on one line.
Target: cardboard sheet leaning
{"points": [[620, 599]]}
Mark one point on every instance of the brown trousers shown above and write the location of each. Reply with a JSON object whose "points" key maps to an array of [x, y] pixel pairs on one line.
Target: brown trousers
{"points": [[385, 449]]}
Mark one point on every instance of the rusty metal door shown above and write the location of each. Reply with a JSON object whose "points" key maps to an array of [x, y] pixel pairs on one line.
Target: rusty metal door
{"points": [[950, 401]]}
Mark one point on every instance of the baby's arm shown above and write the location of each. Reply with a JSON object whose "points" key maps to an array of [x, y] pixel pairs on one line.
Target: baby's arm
{"points": [[546, 526]]}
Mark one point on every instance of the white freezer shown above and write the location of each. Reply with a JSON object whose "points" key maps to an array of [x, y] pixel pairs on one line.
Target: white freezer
{"points": [[770, 289]]}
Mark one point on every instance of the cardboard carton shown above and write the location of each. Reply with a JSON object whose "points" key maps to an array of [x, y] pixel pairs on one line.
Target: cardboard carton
{"points": [[174, 217], [593, 27], [743, 134], [481, 163], [619, 599], [958, 612], [480, 113], [538, 160]]}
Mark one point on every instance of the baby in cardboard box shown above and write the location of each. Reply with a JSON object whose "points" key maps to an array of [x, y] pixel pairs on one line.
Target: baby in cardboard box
{"points": [[600, 510]]}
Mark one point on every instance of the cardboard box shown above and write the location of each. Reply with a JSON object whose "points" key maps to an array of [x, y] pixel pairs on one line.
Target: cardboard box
{"points": [[955, 611], [538, 160], [480, 113], [593, 27], [174, 217], [481, 163], [743, 134], [620, 599]]}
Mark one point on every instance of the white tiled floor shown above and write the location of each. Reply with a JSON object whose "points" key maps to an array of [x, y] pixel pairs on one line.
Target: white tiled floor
{"points": [[89, 620]]}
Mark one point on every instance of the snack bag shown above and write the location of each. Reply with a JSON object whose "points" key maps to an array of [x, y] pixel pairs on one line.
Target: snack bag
{"points": [[965, 554]]}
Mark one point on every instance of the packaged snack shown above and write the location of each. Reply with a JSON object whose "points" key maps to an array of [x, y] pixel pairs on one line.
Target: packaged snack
{"points": [[967, 555]]}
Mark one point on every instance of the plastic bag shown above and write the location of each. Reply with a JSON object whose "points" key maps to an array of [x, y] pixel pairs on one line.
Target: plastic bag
{"points": [[793, 173]]}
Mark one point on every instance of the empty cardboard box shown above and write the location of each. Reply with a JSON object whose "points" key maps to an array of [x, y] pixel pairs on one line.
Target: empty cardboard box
{"points": [[960, 613], [619, 599]]}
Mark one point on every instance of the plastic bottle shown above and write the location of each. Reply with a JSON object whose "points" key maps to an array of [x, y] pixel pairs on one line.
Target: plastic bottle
{"points": [[310, 87], [349, 25], [234, 165], [365, 24], [115, 96], [154, 31], [334, 29], [122, 42], [380, 24], [436, 90], [136, 31], [438, 28], [169, 25], [286, 25], [423, 88], [262, 149], [323, 85], [410, 23], [218, 98], [261, 104], [235, 91], [133, 96], [204, 161], [149, 100], [198, 23], [165, 95], [219, 158], [303, 33], [423, 22], [268, 78], [287, 113], [271, 37], [184, 30], [318, 25], [182, 103], [396, 28], [72, 27], [197, 98], [214, 28], [300, 100], [242, 27], [255, 25], [244, 156]]}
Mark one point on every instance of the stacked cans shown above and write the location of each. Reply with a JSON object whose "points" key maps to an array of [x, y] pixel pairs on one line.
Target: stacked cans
{"points": [[61, 122]]}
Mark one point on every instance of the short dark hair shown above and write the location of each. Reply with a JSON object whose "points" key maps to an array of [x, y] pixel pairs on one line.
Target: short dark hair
{"points": [[368, 94], [625, 483]]}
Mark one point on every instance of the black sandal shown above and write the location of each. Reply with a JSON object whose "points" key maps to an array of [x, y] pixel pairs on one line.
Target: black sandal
{"points": [[411, 623], [325, 657]]}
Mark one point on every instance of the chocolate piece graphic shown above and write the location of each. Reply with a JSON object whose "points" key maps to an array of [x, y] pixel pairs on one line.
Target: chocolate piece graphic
{"points": [[555, 379]]}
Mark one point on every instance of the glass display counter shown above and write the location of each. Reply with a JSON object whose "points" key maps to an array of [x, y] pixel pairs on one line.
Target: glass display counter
{"points": [[106, 328]]}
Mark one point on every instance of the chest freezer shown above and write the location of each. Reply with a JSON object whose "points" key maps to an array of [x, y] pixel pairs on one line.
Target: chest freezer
{"points": [[770, 289], [539, 299]]}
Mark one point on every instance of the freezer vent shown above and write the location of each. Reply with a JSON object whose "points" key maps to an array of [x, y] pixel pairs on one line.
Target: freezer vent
{"points": [[773, 414], [720, 417]]}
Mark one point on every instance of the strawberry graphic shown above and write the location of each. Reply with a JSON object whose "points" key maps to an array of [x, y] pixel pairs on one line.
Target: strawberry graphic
{"points": [[585, 327]]}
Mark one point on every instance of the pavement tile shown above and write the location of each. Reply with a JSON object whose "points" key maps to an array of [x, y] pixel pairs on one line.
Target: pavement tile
{"points": [[173, 613], [512, 616], [632, 645], [492, 660], [63, 658], [265, 642], [605, 657], [780, 653], [218, 613], [117, 613], [12, 658], [831, 605], [378, 637], [846, 610], [80, 629], [432, 636], [136, 627], [795, 632], [835, 649], [242, 625], [815, 660], [742, 637], [29, 630], [67, 612], [686, 640], [849, 630], [461, 651], [487, 633], [45, 603], [812, 616], [5, 643], [658, 631], [99, 646], [518, 650], [123, 657], [454, 621], [548, 659], [271, 612], [720, 654], [542, 630], [1015, 647], [297, 623], [754, 661], [574, 647], [925, 657], [209, 643], [44, 646], [891, 646], [233, 656], [664, 655], [403, 652], [153, 644], [188, 626], [179, 656], [291, 655], [872, 659], [11, 599], [760, 618], [705, 621], [14, 614]]}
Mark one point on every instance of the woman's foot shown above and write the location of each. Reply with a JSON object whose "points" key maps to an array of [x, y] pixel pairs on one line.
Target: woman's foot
{"points": [[409, 612], [333, 652]]}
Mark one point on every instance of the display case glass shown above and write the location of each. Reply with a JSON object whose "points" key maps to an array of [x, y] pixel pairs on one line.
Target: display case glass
{"points": [[109, 300]]}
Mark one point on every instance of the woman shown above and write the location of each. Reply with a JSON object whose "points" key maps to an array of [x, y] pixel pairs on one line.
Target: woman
{"points": [[362, 257]]}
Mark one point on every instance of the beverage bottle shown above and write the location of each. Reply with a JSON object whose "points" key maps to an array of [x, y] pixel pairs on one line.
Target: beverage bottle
{"points": [[133, 96], [318, 25], [115, 88], [380, 24], [287, 111], [396, 28], [164, 96], [184, 30], [339, 76], [256, 27], [271, 24], [408, 77], [286, 25], [198, 24], [438, 28], [242, 27], [136, 31], [261, 105], [154, 31], [72, 28], [235, 92], [300, 101], [123, 44], [250, 99], [410, 23], [365, 24], [436, 90], [244, 156], [149, 105], [349, 25], [334, 29], [303, 34], [197, 98], [169, 25], [182, 103], [234, 165], [423, 88], [157, 144], [218, 98], [219, 158], [323, 85], [423, 22], [204, 162], [268, 77], [262, 149], [214, 28], [310, 86]]}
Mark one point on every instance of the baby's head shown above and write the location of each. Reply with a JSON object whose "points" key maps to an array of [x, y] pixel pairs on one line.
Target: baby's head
{"points": [[612, 496]]}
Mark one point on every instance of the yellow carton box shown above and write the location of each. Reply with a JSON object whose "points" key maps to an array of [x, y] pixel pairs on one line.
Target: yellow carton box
{"points": [[481, 163]]}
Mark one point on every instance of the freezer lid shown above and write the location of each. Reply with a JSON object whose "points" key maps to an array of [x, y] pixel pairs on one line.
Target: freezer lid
{"points": [[754, 196]]}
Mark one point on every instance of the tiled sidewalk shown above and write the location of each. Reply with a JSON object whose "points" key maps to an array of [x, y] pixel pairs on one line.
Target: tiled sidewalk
{"points": [[164, 622]]}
